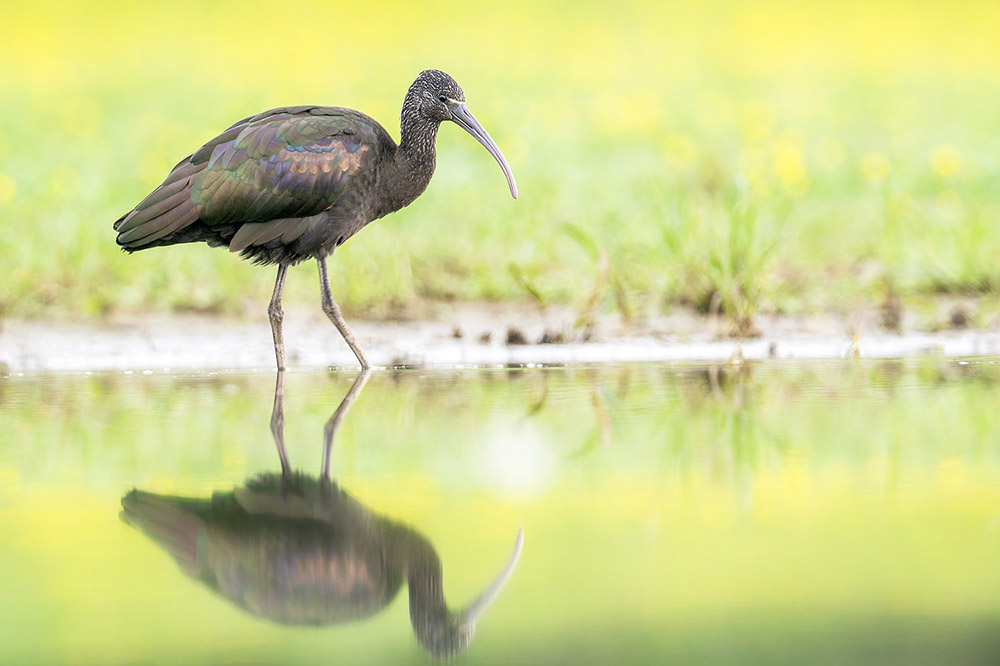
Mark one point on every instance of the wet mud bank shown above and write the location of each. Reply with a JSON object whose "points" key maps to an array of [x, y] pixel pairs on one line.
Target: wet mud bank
{"points": [[463, 336]]}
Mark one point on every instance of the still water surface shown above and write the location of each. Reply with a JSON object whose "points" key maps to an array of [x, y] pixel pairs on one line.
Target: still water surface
{"points": [[821, 513]]}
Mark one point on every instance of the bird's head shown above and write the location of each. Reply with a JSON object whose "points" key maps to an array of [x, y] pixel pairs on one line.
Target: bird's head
{"points": [[437, 97], [432, 92], [444, 633]]}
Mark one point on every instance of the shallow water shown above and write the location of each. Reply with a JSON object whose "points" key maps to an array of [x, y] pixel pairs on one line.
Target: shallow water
{"points": [[822, 513]]}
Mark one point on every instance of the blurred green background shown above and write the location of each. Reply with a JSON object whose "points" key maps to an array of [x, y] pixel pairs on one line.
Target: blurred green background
{"points": [[754, 156]]}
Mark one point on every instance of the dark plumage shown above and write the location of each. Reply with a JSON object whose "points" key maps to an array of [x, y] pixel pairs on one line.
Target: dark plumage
{"points": [[296, 551], [293, 183]]}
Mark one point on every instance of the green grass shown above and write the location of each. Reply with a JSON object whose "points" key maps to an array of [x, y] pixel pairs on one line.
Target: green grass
{"points": [[740, 156]]}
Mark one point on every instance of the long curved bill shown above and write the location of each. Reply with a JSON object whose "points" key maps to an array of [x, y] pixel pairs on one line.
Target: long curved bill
{"points": [[471, 613], [463, 118]]}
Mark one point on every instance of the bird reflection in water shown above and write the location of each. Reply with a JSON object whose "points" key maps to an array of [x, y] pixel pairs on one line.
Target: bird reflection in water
{"points": [[298, 550]]}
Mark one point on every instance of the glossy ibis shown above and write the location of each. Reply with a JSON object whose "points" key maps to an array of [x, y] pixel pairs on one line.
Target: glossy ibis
{"points": [[298, 550], [293, 183]]}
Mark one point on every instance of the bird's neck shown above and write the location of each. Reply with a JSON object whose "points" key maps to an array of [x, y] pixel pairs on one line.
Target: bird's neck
{"points": [[416, 153], [409, 171], [417, 136], [428, 612]]}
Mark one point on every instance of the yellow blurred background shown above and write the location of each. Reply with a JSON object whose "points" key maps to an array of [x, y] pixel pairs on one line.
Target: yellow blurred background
{"points": [[856, 141]]}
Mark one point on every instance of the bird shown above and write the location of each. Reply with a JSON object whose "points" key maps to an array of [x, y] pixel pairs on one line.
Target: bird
{"points": [[299, 550], [296, 552], [293, 183]]}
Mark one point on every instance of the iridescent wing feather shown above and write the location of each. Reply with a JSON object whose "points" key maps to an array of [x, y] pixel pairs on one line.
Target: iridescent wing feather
{"points": [[266, 177]]}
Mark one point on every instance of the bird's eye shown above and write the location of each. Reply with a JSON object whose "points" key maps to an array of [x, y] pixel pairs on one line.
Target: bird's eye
{"points": [[442, 98]]}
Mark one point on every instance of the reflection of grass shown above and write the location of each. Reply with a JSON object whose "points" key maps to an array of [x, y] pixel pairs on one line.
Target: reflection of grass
{"points": [[878, 167], [843, 416], [761, 513]]}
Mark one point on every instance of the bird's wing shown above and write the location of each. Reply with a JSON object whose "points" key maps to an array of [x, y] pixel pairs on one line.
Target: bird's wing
{"points": [[284, 165], [281, 166]]}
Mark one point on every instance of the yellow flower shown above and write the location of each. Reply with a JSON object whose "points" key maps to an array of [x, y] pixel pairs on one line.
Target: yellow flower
{"points": [[789, 166], [8, 188], [874, 167], [946, 161]]}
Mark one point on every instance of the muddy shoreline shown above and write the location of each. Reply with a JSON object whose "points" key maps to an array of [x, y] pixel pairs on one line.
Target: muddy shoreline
{"points": [[458, 336]]}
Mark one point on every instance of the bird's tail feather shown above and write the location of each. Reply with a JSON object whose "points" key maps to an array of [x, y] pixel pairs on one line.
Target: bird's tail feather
{"points": [[165, 520], [167, 210]]}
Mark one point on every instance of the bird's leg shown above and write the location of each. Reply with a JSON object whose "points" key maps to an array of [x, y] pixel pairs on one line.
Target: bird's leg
{"points": [[330, 431], [333, 312], [278, 424], [275, 314]]}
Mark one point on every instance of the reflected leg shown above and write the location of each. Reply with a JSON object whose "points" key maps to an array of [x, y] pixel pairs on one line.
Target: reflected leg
{"points": [[333, 312], [278, 424], [275, 314], [334, 423]]}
